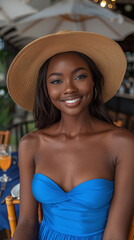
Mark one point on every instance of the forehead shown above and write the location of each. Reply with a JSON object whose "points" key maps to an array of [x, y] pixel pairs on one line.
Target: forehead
{"points": [[67, 58]]}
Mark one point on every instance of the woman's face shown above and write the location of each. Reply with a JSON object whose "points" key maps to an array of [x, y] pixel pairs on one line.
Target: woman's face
{"points": [[69, 83]]}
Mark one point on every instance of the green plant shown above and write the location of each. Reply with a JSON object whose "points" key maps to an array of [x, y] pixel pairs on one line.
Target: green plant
{"points": [[5, 54], [6, 110], [7, 106]]}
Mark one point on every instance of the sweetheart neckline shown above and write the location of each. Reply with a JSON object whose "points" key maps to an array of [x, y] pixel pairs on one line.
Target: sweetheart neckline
{"points": [[76, 185]]}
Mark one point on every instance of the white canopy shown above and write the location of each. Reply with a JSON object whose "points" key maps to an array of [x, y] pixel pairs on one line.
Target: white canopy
{"points": [[12, 10], [82, 15]]}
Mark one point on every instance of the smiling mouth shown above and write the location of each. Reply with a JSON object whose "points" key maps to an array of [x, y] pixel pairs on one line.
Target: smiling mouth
{"points": [[72, 102]]}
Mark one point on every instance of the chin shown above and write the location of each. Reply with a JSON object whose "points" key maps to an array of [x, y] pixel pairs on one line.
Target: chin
{"points": [[74, 111]]}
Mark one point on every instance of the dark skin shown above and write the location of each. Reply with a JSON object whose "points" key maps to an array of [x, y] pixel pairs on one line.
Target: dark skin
{"points": [[76, 149]]}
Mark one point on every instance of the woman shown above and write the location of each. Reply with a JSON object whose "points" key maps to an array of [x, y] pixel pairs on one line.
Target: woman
{"points": [[77, 164]]}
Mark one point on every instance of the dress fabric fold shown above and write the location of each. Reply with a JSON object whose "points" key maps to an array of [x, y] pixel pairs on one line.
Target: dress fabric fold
{"points": [[80, 214]]}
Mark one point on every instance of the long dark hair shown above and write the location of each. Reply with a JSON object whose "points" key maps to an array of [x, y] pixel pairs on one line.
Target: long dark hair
{"points": [[46, 114]]}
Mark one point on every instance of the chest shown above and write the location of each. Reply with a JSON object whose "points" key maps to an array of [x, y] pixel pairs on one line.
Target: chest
{"points": [[74, 160]]}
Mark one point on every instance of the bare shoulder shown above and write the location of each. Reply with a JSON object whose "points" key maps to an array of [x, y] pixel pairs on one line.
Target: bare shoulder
{"points": [[34, 139], [122, 144], [31, 141], [122, 136], [29, 138], [33, 136], [118, 140], [114, 133]]}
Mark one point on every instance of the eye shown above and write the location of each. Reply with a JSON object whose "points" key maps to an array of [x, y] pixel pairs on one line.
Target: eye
{"points": [[82, 76], [56, 81]]}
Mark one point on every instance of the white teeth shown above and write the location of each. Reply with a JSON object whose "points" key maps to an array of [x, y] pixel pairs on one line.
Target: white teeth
{"points": [[72, 101]]}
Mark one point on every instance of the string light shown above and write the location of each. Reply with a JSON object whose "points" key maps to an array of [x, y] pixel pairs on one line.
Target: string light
{"points": [[110, 6], [106, 3], [103, 3]]}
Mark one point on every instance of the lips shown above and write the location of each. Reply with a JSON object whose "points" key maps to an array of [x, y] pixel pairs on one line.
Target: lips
{"points": [[71, 98], [72, 102]]}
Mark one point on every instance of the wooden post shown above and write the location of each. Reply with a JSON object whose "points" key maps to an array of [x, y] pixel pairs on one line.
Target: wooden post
{"points": [[11, 214]]}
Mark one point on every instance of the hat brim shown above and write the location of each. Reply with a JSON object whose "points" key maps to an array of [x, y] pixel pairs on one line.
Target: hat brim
{"points": [[23, 72]]}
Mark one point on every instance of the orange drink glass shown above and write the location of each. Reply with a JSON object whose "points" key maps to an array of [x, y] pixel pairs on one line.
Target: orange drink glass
{"points": [[5, 161]]}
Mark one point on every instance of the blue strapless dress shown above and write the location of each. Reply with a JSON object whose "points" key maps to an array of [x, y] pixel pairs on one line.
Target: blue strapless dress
{"points": [[80, 214]]}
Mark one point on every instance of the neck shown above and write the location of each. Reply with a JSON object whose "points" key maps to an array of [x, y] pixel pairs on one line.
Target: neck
{"points": [[73, 126]]}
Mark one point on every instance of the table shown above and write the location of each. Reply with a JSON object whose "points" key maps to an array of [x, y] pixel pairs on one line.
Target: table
{"points": [[13, 172]]}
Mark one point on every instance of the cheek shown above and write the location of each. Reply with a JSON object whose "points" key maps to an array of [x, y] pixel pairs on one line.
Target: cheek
{"points": [[53, 93], [88, 88]]}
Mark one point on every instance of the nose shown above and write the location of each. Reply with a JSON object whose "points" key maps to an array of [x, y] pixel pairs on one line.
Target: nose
{"points": [[70, 88]]}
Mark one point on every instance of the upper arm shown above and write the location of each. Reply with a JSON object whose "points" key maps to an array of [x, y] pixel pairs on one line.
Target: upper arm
{"points": [[122, 204], [28, 205]]}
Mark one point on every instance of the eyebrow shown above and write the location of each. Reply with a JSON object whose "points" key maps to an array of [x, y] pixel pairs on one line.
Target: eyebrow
{"points": [[78, 69], [74, 71]]}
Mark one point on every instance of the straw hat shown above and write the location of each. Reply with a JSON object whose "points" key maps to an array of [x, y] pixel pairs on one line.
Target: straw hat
{"points": [[106, 53]]}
